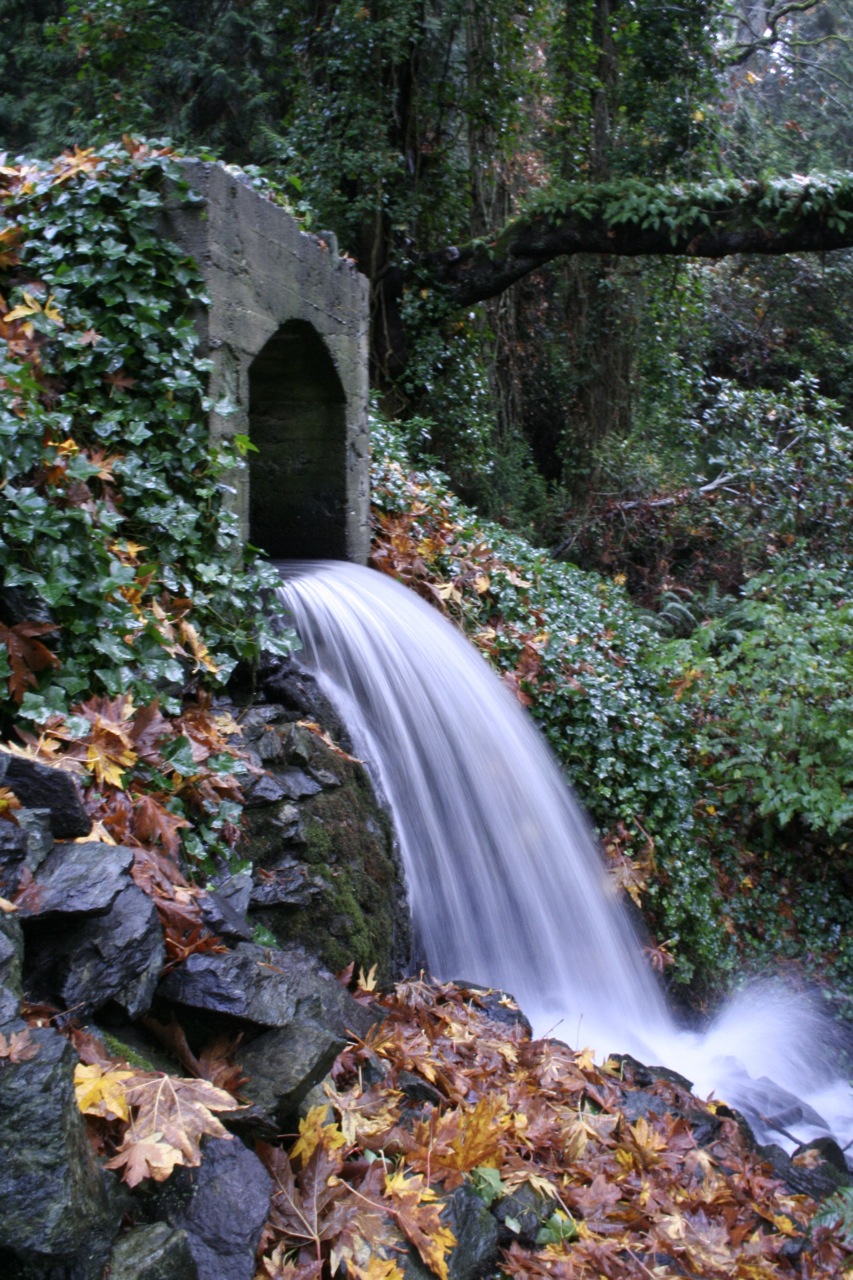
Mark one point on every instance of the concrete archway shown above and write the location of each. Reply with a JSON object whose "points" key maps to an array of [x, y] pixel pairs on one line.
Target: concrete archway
{"points": [[286, 332], [298, 424]]}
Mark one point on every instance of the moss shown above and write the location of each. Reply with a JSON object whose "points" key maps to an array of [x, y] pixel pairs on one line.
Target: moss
{"points": [[347, 843]]}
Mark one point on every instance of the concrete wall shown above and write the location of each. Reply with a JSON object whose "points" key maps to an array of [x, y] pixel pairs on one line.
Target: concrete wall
{"points": [[287, 331]]}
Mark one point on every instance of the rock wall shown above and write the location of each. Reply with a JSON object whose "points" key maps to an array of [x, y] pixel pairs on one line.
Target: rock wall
{"points": [[287, 331]]}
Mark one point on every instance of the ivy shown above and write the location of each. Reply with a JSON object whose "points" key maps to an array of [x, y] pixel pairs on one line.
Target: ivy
{"points": [[115, 530]]}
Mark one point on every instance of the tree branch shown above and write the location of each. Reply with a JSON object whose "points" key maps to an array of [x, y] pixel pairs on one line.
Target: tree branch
{"points": [[629, 218]]}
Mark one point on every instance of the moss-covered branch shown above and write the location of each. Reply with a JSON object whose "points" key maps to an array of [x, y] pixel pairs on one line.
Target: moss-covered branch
{"points": [[628, 217]]}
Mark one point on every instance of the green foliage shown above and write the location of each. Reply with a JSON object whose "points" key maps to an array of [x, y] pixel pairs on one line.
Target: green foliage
{"points": [[771, 682], [114, 525], [837, 1212]]}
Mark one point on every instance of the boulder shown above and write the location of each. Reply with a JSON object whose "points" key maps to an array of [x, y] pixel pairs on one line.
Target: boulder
{"points": [[42, 786], [265, 986], [56, 1205], [115, 957], [157, 1252], [222, 1206], [78, 879], [283, 1065], [11, 960]]}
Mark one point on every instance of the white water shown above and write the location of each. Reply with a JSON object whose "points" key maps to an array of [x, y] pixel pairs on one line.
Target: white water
{"points": [[505, 883]]}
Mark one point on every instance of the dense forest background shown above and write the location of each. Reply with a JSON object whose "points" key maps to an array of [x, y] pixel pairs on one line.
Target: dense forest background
{"points": [[673, 432]]}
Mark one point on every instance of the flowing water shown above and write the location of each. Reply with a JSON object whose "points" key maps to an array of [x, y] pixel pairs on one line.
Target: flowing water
{"points": [[505, 883]]}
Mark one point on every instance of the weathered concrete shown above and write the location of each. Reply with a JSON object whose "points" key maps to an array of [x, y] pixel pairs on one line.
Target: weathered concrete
{"points": [[287, 332]]}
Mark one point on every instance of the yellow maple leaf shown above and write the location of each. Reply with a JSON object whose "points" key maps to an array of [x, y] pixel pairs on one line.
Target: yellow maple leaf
{"points": [[100, 1092], [314, 1131], [419, 1218]]}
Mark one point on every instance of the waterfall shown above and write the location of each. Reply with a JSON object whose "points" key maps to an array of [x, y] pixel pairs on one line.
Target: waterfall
{"points": [[506, 887]]}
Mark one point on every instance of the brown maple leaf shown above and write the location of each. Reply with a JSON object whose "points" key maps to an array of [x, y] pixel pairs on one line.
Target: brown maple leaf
{"points": [[27, 655], [169, 1118], [412, 1203], [19, 1047]]}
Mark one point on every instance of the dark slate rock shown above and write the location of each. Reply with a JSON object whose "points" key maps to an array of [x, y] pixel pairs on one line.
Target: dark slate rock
{"points": [[41, 786], [14, 846], [296, 784], [236, 890], [222, 1205], [325, 777], [270, 747], [265, 986], [11, 959], [158, 1252], [40, 841], [287, 884], [827, 1176], [79, 879], [500, 1008], [222, 919], [283, 1065], [55, 1202], [521, 1214], [255, 721], [288, 683], [113, 958], [263, 789], [299, 745], [476, 1239]]}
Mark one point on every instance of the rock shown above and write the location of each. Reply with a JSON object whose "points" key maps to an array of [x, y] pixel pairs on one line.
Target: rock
{"points": [[299, 745], [296, 784], [289, 883], [222, 919], [158, 1252], [55, 1202], [818, 1176], [265, 986], [114, 958], [255, 721], [41, 786], [236, 890], [283, 1065], [521, 1214], [262, 790], [222, 1205], [14, 846], [40, 841], [476, 1239], [78, 879], [11, 959]]}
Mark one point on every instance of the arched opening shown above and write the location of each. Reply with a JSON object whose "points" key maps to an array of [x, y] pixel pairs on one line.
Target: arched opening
{"points": [[297, 422]]}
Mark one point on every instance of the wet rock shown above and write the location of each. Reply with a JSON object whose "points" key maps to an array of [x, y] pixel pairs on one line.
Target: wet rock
{"points": [[296, 784], [222, 919], [816, 1169], [265, 986], [299, 745], [56, 1204], [286, 682], [40, 841], [114, 958], [270, 747], [521, 1215], [11, 959], [500, 1008], [13, 853], [40, 786], [236, 890], [222, 1206], [284, 1065], [288, 884], [78, 879], [476, 1239], [158, 1252], [256, 720], [262, 790]]}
